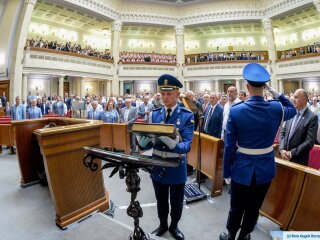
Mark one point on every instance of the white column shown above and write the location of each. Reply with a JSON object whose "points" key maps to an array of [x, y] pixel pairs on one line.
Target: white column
{"points": [[316, 3], [108, 88], [121, 87], [238, 86], [187, 85], [300, 84], [82, 92], [115, 52], [281, 90], [216, 86], [105, 87], [60, 91], [18, 49], [267, 26], [51, 86], [24, 87], [180, 53]]}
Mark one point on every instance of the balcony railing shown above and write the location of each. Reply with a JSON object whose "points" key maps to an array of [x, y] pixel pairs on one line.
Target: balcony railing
{"points": [[51, 61]]}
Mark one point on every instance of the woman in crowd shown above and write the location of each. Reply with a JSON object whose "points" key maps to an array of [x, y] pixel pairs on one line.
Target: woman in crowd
{"points": [[111, 115]]}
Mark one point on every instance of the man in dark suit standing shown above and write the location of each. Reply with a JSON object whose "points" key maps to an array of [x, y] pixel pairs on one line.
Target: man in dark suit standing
{"points": [[45, 107], [4, 100], [213, 117], [300, 133], [67, 101]]}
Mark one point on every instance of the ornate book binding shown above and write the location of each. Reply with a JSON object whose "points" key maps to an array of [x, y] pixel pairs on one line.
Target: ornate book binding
{"points": [[154, 130]]}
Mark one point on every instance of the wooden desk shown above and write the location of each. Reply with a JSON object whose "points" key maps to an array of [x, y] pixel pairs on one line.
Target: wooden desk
{"points": [[76, 191], [280, 201], [115, 136], [6, 135], [307, 212], [211, 160]]}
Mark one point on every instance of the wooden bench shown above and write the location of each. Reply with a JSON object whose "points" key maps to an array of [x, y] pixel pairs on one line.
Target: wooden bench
{"points": [[292, 199]]}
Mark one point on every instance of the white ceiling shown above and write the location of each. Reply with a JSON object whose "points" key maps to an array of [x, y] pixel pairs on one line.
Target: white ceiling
{"points": [[53, 13]]}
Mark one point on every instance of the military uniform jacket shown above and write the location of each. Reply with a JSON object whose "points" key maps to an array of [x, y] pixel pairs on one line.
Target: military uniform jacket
{"points": [[184, 121], [253, 125]]}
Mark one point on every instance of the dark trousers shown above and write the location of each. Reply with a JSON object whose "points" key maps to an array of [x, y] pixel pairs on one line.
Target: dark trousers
{"points": [[176, 201], [245, 204]]}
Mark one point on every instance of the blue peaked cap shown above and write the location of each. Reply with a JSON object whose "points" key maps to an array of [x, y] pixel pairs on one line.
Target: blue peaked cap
{"points": [[255, 74], [167, 82]]}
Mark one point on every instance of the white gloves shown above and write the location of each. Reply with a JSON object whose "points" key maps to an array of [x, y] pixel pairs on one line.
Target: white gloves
{"points": [[274, 93], [228, 181], [171, 143], [143, 141]]}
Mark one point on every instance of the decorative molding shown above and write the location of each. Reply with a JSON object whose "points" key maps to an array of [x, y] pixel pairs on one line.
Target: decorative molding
{"points": [[316, 3], [179, 30], [149, 18], [33, 2], [267, 24], [116, 26], [217, 11], [279, 7]]}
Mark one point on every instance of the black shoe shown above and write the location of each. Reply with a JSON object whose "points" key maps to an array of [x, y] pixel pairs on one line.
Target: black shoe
{"points": [[160, 230], [244, 237], [225, 236], [176, 233]]}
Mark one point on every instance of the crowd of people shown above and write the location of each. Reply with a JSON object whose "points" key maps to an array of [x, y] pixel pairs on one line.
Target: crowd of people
{"points": [[226, 56], [147, 57], [69, 47], [315, 48], [109, 109]]}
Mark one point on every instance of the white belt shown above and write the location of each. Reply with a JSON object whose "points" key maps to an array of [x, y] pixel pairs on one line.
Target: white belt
{"points": [[166, 154], [255, 151]]}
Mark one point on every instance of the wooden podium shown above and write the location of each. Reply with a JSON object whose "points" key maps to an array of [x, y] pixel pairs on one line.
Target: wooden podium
{"points": [[75, 190]]}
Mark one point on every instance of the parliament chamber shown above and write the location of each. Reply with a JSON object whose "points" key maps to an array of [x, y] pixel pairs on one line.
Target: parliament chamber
{"points": [[72, 57]]}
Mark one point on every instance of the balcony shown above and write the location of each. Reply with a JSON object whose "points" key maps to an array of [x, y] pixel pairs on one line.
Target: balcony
{"points": [[217, 69], [299, 67], [146, 70], [47, 61]]}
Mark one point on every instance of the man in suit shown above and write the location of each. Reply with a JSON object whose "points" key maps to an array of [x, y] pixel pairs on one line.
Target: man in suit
{"points": [[206, 102], [60, 107], [169, 182], [248, 153], [4, 100], [213, 117], [18, 111], [67, 101], [34, 111], [94, 113], [45, 107], [129, 115], [145, 108], [300, 133]]}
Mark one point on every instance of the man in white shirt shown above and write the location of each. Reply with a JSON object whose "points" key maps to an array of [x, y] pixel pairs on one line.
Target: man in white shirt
{"points": [[233, 99]]}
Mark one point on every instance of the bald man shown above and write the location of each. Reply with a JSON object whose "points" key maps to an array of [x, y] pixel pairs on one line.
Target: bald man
{"points": [[232, 95], [299, 133]]}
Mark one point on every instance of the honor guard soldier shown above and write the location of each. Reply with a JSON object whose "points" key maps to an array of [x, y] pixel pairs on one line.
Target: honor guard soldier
{"points": [[248, 152], [169, 182]]}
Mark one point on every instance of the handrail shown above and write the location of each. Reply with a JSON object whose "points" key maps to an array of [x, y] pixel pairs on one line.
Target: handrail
{"points": [[225, 62], [67, 54], [307, 55], [149, 63]]}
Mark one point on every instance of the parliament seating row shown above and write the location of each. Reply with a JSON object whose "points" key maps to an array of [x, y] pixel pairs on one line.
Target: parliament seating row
{"points": [[292, 199]]}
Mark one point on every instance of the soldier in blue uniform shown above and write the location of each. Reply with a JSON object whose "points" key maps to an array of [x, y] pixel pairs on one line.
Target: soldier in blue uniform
{"points": [[169, 182], [248, 153]]}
